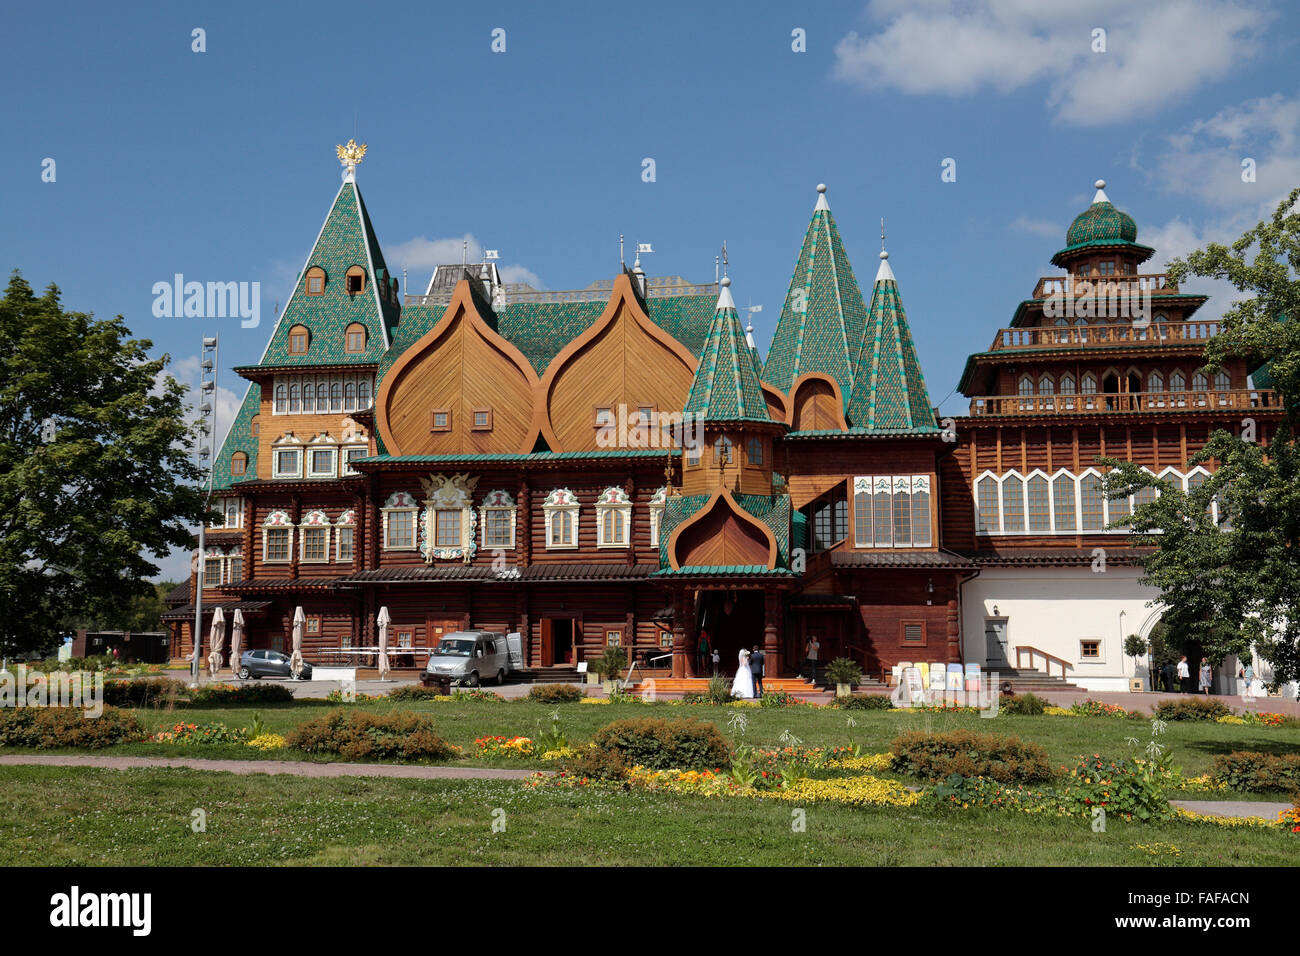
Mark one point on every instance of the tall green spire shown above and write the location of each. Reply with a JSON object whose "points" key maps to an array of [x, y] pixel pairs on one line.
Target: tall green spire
{"points": [[726, 387], [823, 317], [888, 388]]}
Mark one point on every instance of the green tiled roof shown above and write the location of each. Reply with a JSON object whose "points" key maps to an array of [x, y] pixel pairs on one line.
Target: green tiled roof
{"points": [[823, 335], [888, 387], [239, 438], [773, 511], [1099, 226], [345, 240], [725, 387]]}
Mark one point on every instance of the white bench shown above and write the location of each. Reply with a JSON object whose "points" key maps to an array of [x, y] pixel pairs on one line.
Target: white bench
{"points": [[334, 673]]}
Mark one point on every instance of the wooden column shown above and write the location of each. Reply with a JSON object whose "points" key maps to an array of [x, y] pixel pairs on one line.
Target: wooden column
{"points": [[524, 525], [954, 632], [772, 646], [681, 655], [295, 542]]}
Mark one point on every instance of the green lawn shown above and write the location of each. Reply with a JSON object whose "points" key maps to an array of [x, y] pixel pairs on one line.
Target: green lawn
{"points": [[54, 816], [460, 722]]}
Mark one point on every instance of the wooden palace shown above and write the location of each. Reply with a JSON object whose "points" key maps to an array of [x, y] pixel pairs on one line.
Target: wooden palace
{"points": [[617, 465]]}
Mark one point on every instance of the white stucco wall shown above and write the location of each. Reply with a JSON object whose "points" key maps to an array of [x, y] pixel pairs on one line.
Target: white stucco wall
{"points": [[1053, 609]]}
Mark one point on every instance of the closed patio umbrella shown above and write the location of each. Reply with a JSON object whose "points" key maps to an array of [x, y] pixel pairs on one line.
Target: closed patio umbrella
{"points": [[236, 637], [217, 637], [384, 621], [299, 624]]}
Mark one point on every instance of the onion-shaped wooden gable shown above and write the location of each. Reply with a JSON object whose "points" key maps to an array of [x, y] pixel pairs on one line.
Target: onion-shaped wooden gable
{"points": [[816, 404], [623, 359], [722, 533], [459, 389]]}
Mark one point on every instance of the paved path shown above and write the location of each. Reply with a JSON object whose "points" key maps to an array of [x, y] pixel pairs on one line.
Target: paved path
{"points": [[296, 768], [1233, 808]]}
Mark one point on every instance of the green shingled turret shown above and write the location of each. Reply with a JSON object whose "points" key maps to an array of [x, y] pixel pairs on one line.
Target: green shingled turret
{"points": [[888, 388], [824, 314], [726, 387]]}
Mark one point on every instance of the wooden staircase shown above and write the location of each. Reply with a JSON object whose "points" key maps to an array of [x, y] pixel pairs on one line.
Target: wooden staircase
{"points": [[1029, 680]]}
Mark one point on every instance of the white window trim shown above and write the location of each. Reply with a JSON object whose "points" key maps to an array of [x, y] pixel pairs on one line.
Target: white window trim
{"points": [[913, 485], [658, 502], [277, 521], [330, 447], [502, 497], [307, 524], [347, 521], [1101, 651], [550, 509], [389, 509], [281, 447], [1170, 474], [622, 504], [345, 467]]}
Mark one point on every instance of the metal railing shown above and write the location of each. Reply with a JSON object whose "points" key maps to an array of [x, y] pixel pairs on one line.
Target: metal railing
{"points": [[627, 681]]}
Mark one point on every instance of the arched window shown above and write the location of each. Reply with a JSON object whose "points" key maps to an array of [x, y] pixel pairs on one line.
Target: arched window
{"points": [[308, 398], [1063, 502], [363, 394], [355, 338], [299, 339], [295, 400], [657, 503], [350, 397], [986, 494], [1177, 381], [356, 280], [336, 397], [322, 397], [722, 449], [1045, 385], [1040, 515], [561, 510], [1156, 388], [1089, 384], [1067, 390], [613, 518], [315, 281], [1026, 386], [1013, 504], [238, 463], [1222, 382], [1200, 382], [281, 399]]}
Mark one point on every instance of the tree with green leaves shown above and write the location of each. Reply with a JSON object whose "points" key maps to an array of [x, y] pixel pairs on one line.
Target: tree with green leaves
{"points": [[1235, 581], [95, 473]]}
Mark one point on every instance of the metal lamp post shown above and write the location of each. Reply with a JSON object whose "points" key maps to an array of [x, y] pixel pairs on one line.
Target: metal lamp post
{"points": [[204, 457]]}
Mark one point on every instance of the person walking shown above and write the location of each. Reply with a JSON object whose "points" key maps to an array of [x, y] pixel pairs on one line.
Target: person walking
{"points": [[1184, 675], [757, 659], [1167, 674], [717, 659], [702, 652], [1206, 677]]}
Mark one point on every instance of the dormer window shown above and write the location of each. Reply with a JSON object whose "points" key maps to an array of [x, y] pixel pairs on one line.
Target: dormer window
{"points": [[356, 338], [238, 464], [315, 281], [356, 280], [299, 338]]}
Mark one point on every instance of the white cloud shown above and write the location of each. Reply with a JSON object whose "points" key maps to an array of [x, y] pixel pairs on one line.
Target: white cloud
{"points": [[420, 255], [1156, 52], [1039, 227]]}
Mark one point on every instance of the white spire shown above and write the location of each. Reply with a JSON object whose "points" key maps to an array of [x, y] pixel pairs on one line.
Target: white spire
{"points": [[821, 199], [1101, 196], [725, 301], [749, 336], [884, 272]]}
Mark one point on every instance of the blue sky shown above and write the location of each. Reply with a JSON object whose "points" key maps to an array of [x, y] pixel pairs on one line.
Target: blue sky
{"points": [[220, 165]]}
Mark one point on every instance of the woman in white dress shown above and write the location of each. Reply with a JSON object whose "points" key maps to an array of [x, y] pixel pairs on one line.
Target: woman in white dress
{"points": [[743, 685]]}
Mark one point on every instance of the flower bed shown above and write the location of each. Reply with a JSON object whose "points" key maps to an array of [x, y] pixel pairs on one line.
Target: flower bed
{"points": [[1097, 708], [188, 735], [501, 746], [268, 742]]}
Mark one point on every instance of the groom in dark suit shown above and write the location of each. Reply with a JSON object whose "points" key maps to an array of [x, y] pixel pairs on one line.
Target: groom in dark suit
{"points": [[756, 669]]}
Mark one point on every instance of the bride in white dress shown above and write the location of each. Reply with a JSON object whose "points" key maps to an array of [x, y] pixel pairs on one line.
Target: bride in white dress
{"points": [[743, 685]]}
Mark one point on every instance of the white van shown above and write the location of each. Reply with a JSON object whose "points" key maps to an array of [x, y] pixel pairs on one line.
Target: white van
{"points": [[471, 657]]}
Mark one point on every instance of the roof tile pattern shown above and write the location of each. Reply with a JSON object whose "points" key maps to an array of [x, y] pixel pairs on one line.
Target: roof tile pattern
{"points": [[726, 387], [889, 390]]}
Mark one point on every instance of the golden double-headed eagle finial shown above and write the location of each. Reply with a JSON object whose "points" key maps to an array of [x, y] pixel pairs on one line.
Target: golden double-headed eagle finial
{"points": [[351, 154]]}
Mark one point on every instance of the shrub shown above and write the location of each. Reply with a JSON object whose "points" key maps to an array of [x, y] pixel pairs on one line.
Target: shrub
{"points": [[779, 698], [555, 693], [937, 756], [1097, 708], [476, 694], [46, 727], [143, 693], [864, 702], [662, 744], [843, 670], [1026, 705], [1257, 772], [1130, 788], [414, 692], [357, 734], [1190, 708], [592, 764], [719, 691], [258, 693]]}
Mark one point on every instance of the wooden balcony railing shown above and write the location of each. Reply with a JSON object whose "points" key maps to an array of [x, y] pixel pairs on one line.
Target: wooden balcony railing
{"points": [[1123, 333], [1106, 403], [1103, 285]]}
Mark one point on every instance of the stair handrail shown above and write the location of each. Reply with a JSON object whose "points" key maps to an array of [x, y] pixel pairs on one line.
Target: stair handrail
{"points": [[1048, 659], [627, 681]]}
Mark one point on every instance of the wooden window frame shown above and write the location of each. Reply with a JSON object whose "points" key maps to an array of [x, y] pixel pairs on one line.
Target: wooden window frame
{"points": [[354, 272], [296, 332], [510, 526], [415, 529], [312, 625], [238, 463], [474, 425], [338, 543], [355, 328], [1098, 658], [288, 550], [315, 272], [903, 625], [622, 635], [595, 417], [750, 459], [433, 420], [276, 452], [310, 462], [302, 544]]}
